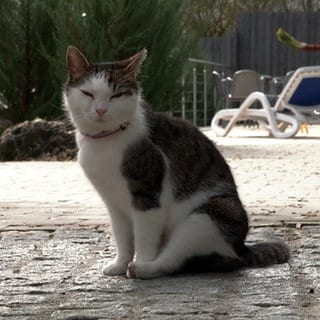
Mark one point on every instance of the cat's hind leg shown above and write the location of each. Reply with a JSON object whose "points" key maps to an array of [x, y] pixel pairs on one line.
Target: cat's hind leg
{"points": [[198, 235]]}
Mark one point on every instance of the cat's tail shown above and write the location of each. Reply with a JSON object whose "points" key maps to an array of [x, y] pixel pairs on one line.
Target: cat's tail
{"points": [[255, 256], [267, 253]]}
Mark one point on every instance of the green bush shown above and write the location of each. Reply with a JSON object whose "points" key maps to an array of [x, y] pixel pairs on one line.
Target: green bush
{"points": [[35, 34]]}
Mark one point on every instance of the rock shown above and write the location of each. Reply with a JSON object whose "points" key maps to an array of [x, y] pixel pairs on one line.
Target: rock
{"points": [[38, 140]]}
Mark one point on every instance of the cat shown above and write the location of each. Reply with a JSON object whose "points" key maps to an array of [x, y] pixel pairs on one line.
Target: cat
{"points": [[171, 196]]}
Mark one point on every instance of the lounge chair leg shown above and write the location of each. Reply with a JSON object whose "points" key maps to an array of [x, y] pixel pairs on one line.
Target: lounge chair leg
{"points": [[282, 126], [304, 128]]}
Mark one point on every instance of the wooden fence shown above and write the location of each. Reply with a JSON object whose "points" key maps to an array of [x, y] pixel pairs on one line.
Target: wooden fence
{"points": [[254, 44]]}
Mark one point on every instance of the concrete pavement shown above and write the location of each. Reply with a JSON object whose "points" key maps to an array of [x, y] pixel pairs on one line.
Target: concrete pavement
{"points": [[55, 238], [278, 181]]}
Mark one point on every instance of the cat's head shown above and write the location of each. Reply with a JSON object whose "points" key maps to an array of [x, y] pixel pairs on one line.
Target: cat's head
{"points": [[101, 96]]}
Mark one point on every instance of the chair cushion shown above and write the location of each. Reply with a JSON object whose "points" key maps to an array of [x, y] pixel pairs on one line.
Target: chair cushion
{"points": [[307, 93]]}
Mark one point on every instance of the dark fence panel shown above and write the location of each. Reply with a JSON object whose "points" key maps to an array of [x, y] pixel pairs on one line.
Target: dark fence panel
{"points": [[254, 45], [222, 50]]}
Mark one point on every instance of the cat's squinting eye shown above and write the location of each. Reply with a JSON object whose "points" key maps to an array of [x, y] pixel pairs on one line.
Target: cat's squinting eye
{"points": [[117, 95], [88, 94]]}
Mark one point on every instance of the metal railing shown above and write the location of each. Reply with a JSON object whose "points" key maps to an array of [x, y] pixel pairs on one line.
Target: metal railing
{"points": [[197, 99]]}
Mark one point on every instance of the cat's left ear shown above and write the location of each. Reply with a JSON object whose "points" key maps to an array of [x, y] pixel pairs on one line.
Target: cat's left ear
{"points": [[77, 64], [132, 66]]}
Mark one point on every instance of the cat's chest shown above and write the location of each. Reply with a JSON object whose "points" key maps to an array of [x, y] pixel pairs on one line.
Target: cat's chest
{"points": [[102, 165]]}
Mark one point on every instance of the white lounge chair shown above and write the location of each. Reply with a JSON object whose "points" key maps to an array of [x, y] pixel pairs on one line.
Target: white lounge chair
{"points": [[283, 120]]}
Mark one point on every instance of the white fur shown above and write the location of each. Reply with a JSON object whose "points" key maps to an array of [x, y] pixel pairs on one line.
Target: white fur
{"points": [[161, 239], [196, 235]]}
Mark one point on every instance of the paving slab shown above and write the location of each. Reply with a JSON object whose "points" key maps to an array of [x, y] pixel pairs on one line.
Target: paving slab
{"points": [[278, 181], [55, 239]]}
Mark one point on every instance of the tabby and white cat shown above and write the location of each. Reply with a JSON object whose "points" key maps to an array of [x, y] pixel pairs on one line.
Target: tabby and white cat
{"points": [[172, 199]]}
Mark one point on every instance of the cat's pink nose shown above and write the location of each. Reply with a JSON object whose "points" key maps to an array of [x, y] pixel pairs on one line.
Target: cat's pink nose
{"points": [[101, 112]]}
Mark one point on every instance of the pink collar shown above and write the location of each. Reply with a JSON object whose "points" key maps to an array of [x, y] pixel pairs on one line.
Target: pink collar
{"points": [[106, 133]]}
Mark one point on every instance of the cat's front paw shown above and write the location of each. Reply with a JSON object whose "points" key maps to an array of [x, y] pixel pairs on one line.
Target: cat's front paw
{"points": [[115, 269], [146, 270]]}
